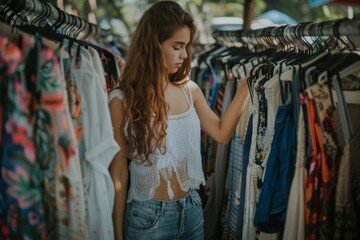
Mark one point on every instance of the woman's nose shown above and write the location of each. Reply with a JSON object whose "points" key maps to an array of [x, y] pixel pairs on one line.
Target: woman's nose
{"points": [[183, 54]]}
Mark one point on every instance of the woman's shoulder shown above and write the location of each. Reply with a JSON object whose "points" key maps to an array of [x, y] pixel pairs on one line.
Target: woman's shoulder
{"points": [[115, 93], [193, 87], [191, 84]]}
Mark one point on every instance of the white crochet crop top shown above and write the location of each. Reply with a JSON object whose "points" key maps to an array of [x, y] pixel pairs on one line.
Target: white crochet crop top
{"points": [[182, 156]]}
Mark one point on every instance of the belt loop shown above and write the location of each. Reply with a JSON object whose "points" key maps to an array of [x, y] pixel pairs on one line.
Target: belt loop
{"points": [[183, 202]]}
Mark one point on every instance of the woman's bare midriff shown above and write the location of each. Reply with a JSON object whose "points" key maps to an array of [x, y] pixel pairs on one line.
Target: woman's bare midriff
{"points": [[161, 192]]}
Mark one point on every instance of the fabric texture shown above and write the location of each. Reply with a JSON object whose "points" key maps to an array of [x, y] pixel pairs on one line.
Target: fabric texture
{"points": [[163, 220], [182, 156], [214, 204], [295, 214], [271, 206], [100, 145], [347, 204]]}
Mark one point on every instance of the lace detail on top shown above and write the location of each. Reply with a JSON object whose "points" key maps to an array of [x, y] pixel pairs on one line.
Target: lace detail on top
{"points": [[182, 156], [116, 93]]}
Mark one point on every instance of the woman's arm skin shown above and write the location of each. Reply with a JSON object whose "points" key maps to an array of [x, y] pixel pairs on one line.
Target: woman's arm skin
{"points": [[221, 130], [119, 168]]}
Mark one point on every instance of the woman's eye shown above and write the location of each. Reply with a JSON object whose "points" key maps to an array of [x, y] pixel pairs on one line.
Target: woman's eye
{"points": [[177, 48]]}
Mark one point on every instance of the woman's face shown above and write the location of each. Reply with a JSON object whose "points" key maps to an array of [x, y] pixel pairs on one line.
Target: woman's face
{"points": [[174, 49]]}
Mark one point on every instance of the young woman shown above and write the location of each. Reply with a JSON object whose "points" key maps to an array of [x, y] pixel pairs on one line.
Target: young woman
{"points": [[157, 114]]}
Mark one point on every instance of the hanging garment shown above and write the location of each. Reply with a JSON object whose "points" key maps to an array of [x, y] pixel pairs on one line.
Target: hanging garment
{"points": [[99, 143], [273, 99], [330, 162], [213, 208], [271, 206], [74, 101], [22, 213], [311, 192], [234, 177], [314, 181], [55, 146], [76, 205], [45, 139], [251, 192], [347, 210], [295, 214]]}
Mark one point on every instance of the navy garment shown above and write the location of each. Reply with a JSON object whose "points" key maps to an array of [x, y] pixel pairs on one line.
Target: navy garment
{"points": [[271, 207], [246, 153]]}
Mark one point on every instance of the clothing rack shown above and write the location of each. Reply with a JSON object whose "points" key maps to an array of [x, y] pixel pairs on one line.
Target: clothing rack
{"points": [[45, 13], [288, 33]]}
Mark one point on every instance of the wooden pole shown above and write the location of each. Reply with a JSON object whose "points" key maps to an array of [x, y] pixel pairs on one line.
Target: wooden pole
{"points": [[248, 13]]}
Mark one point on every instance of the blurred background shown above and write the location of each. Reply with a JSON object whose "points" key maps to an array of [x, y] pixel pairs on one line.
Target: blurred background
{"points": [[121, 16]]}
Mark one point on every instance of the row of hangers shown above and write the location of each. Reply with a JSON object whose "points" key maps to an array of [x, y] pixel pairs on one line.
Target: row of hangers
{"points": [[328, 54], [312, 37], [44, 17], [44, 20], [50, 21]]}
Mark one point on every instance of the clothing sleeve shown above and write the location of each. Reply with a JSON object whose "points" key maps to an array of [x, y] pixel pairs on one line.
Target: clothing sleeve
{"points": [[116, 93]]}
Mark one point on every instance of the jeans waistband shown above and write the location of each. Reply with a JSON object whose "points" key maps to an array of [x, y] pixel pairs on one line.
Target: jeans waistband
{"points": [[168, 205]]}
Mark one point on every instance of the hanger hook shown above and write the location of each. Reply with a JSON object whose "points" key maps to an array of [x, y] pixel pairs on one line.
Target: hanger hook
{"points": [[336, 31]]}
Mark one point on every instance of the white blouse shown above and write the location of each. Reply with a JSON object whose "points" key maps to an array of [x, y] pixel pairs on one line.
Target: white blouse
{"points": [[100, 145], [182, 156]]}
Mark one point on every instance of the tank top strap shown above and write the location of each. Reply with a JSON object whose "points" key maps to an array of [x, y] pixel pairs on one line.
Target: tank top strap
{"points": [[190, 102], [187, 99], [191, 99]]}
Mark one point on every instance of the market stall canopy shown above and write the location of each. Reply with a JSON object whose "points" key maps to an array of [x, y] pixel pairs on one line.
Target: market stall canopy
{"points": [[315, 3], [276, 17]]}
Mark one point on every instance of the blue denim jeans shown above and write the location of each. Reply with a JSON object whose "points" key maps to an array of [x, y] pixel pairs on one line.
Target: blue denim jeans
{"points": [[167, 220]]}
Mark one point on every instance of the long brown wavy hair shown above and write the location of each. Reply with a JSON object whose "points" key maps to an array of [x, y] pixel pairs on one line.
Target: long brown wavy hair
{"points": [[143, 78]]}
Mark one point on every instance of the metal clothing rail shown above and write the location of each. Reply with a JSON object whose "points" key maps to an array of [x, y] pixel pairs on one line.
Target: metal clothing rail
{"points": [[45, 13], [336, 28]]}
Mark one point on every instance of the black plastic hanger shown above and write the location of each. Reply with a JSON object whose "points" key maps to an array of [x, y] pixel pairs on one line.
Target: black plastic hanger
{"points": [[59, 21]]}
